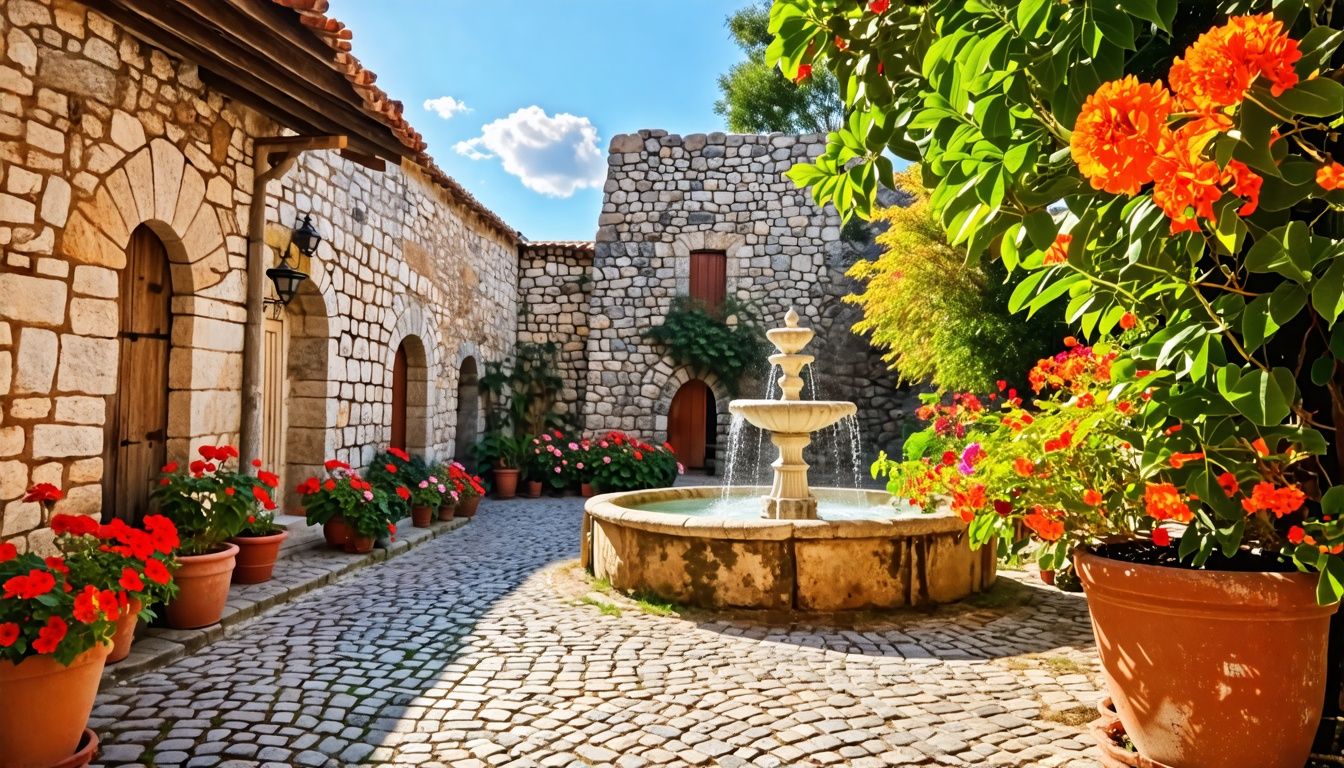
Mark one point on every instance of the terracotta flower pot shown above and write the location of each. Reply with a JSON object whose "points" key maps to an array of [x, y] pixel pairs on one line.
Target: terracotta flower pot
{"points": [[467, 507], [506, 483], [256, 557], [203, 588], [586, 490], [358, 544], [44, 707], [421, 516], [1047, 576], [447, 511], [533, 489], [84, 753], [125, 632], [337, 532], [1210, 669]]}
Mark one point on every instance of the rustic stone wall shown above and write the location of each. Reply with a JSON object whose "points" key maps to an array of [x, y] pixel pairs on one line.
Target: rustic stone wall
{"points": [[100, 134], [554, 287], [669, 195]]}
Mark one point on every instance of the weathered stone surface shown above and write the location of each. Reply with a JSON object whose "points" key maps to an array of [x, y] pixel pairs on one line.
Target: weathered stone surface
{"points": [[33, 300], [36, 361], [88, 366], [61, 440]]}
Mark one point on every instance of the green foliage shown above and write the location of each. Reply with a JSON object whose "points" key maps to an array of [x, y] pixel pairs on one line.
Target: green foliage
{"points": [[393, 469], [728, 342], [1239, 311], [758, 99], [519, 397], [940, 316], [368, 508], [623, 463], [210, 503]]}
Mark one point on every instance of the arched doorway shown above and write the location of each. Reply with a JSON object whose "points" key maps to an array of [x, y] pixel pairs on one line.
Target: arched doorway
{"points": [[137, 423], [295, 418], [468, 412], [408, 419], [691, 424]]}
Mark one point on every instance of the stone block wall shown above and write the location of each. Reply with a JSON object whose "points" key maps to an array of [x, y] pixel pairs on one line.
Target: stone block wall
{"points": [[99, 134], [554, 286], [669, 195]]}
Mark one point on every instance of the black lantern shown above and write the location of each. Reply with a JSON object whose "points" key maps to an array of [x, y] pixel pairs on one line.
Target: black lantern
{"points": [[285, 277]]}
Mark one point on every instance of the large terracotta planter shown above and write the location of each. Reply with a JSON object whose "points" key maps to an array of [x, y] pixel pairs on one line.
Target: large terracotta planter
{"points": [[447, 511], [84, 753], [203, 588], [421, 516], [337, 532], [125, 632], [44, 707], [532, 489], [256, 557], [586, 490], [467, 506], [359, 545], [506, 483], [1210, 669]]}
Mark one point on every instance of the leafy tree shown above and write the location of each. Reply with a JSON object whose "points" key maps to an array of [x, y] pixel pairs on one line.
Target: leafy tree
{"points": [[941, 316], [757, 98]]}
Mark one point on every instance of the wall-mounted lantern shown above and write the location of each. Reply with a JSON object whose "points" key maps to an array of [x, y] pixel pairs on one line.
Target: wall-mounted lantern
{"points": [[286, 278]]}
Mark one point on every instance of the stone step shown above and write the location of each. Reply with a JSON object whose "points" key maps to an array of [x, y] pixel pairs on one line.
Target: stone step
{"points": [[305, 565]]}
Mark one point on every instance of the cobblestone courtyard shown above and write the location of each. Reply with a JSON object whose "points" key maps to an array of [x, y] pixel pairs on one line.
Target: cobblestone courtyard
{"points": [[468, 651]]}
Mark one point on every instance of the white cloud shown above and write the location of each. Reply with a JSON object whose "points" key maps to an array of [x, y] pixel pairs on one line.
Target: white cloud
{"points": [[554, 155], [446, 107]]}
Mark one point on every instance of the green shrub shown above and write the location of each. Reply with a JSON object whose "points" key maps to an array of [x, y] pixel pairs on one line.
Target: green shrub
{"points": [[728, 342]]}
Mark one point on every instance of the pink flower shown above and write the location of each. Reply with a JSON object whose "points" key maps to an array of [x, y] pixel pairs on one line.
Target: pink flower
{"points": [[547, 438], [573, 446], [424, 483], [579, 465], [557, 470], [442, 488], [606, 459], [368, 495], [680, 469]]}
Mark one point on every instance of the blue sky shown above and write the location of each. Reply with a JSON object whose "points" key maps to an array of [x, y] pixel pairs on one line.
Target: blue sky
{"points": [[545, 84]]}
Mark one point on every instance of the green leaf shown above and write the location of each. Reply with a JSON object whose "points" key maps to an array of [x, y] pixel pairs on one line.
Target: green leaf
{"points": [[1327, 296], [1332, 501], [1160, 12], [1041, 228], [1284, 250], [1322, 370], [1331, 584], [1264, 397], [1318, 97]]}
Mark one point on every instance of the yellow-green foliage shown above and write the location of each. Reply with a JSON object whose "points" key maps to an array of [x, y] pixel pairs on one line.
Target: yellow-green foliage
{"points": [[940, 318]]}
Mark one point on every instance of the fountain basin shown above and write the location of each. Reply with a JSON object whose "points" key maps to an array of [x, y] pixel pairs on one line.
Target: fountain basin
{"points": [[900, 559], [798, 417]]}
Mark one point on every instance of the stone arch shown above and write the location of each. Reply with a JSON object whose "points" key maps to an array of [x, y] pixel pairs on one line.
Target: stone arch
{"points": [[310, 407], [156, 186], [467, 401], [415, 337], [667, 389], [734, 246]]}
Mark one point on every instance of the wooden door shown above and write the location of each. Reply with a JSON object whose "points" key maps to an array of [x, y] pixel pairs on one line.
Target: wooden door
{"points": [[399, 366], [275, 395], [137, 425], [709, 277], [686, 423]]}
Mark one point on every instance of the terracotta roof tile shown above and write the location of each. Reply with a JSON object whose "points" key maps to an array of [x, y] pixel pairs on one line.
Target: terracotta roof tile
{"points": [[569, 245], [377, 103]]}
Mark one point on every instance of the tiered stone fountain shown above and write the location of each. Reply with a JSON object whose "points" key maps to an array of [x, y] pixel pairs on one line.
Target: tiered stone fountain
{"points": [[799, 548]]}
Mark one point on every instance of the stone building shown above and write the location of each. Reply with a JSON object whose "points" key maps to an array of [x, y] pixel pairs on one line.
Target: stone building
{"points": [[132, 140], [708, 215]]}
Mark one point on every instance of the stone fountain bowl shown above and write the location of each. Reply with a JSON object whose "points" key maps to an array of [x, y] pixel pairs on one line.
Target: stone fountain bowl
{"points": [[792, 417], [792, 565]]}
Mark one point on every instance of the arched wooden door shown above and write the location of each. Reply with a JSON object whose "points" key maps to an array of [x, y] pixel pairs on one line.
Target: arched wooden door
{"points": [[137, 424], [400, 369], [690, 423]]}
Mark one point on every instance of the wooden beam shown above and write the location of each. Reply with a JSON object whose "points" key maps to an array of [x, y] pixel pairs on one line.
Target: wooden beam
{"points": [[368, 161]]}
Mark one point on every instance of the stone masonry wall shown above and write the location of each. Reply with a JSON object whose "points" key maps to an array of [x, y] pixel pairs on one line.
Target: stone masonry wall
{"points": [[554, 286], [669, 195], [99, 134]]}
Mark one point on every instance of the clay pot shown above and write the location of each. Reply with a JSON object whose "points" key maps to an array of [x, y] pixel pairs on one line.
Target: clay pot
{"points": [[358, 544], [506, 483], [44, 708], [467, 507], [533, 489], [1192, 657], [337, 532], [447, 511], [256, 557], [124, 634], [586, 490], [421, 516], [1048, 576], [84, 753], [203, 588]]}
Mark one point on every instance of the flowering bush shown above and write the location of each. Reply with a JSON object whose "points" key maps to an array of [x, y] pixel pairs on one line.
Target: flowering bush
{"points": [[559, 461], [432, 490], [393, 469], [366, 507], [624, 463], [465, 484], [46, 609], [132, 563], [1197, 220], [210, 503]]}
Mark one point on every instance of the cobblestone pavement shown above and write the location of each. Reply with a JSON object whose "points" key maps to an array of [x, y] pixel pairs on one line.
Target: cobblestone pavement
{"points": [[467, 652]]}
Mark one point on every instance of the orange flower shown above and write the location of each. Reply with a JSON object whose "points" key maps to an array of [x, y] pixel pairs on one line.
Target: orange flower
{"points": [[1045, 523], [1178, 460], [1058, 253], [1259, 445], [1024, 466], [1117, 133], [1219, 68], [1128, 321], [1163, 502], [1330, 177], [1092, 497], [1185, 185], [1228, 482], [1281, 501]]}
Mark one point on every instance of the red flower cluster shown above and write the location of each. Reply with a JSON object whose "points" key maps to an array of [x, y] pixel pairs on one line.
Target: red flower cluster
{"points": [[1076, 369], [1268, 498], [1045, 523], [1162, 501], [1219, 68]]}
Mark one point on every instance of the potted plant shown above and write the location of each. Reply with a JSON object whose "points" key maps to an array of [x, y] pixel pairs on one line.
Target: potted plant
{"points": [[55, 635], [393, 469], [448, 501], [209, 504], [426, 498], [258, 543], [135, 564], [506, 454], [363, 510], [621, 462], [469, 490]]}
